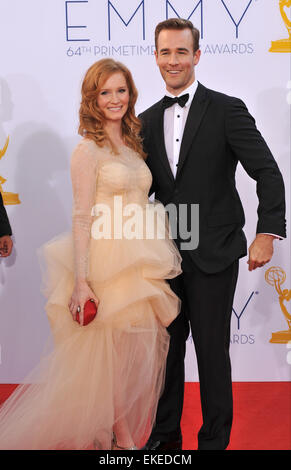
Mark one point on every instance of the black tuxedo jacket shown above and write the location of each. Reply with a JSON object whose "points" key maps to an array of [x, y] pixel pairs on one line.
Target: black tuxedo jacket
{"points": [[5, 228], [218, 134]]}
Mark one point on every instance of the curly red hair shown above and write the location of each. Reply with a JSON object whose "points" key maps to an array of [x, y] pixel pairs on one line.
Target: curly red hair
{"points": [[92, 119]]}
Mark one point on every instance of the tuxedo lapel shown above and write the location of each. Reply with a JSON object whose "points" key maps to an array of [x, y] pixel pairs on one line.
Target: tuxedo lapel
{"points": [[196, 112], [160, 141]]}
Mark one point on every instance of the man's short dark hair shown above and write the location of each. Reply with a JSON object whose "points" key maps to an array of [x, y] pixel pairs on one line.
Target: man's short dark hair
{"points": [[178, 24]]}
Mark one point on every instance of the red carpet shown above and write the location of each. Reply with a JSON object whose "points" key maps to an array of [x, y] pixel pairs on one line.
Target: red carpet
{"points": [[262, 415]]}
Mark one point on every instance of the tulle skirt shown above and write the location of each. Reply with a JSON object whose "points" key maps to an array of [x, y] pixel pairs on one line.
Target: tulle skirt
{"points": [[109, 373]]}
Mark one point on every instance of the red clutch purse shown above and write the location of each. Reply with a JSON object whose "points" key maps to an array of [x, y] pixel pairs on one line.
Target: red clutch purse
{"points": [[90, 311]]}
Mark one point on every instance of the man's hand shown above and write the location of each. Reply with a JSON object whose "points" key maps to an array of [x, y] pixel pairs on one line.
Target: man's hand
{"points": [[260, 251], [6, 245]]}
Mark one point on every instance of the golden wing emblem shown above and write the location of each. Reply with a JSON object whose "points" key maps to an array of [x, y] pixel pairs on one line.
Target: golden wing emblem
{"points": [[8, 197], [3, 151]]}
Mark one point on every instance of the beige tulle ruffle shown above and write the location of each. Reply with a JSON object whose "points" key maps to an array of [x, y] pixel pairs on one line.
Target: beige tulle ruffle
{"points": [[92, 378]]}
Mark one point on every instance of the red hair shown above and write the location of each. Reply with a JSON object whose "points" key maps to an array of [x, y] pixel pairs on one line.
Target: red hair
{"points": [[92, 119]]}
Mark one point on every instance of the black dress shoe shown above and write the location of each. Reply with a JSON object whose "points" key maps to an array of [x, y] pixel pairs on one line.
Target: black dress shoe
{"points": [[157, 445]]}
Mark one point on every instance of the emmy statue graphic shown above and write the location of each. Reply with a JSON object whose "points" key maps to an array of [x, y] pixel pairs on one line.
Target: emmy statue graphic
{"points": [[8, 198], [275, 276], [283, 45]]}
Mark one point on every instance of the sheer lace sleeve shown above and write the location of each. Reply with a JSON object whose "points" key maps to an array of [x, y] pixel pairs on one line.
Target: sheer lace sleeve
{"points": [[83, 175]]}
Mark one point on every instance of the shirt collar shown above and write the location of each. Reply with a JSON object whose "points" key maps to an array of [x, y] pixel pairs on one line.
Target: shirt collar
{"points": [[191, 90]]}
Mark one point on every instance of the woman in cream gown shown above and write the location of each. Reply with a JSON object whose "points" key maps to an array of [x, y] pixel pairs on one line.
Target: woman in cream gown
{"points": [[99, 386]]}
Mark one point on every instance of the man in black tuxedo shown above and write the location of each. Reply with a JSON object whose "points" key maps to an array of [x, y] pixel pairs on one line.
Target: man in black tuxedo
{"points": [[194, 144], [5, 232]]}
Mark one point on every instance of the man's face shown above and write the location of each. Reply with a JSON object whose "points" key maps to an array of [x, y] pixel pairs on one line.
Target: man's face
{"points": [[176, 59]]}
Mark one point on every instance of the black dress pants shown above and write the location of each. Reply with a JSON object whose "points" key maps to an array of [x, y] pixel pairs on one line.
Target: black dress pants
{"points": [[207, 305]]}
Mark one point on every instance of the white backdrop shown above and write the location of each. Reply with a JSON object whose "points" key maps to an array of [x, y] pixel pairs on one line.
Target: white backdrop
{"points": [[45, 48]]}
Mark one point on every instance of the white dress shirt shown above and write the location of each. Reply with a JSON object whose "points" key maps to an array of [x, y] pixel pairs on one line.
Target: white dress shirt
{"points": [[174, 124]]}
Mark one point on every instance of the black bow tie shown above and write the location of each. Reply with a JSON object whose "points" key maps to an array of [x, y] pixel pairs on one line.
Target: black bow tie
{"points": [[168, 101]]}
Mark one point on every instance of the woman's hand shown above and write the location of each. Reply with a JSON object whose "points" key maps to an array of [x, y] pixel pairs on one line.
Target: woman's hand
{"points": [[80, 295]]}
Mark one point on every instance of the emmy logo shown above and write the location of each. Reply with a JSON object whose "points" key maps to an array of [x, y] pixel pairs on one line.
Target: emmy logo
{"points": [[283, 45], [8, 198], [276, 276]]}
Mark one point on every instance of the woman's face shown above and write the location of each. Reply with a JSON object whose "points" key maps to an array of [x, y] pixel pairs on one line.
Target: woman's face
{"points": [[113, 97]]}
